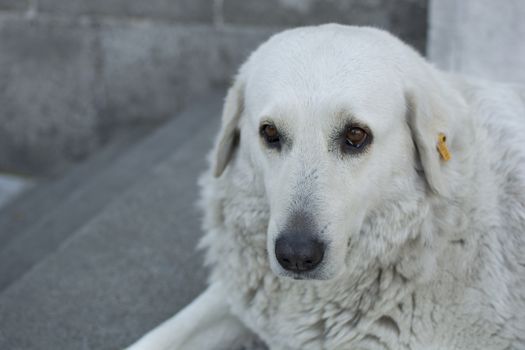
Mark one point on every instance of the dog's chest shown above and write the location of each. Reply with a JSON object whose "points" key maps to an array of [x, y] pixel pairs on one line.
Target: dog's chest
{"points": [[289, 314], [297, 316], [349, 313]]}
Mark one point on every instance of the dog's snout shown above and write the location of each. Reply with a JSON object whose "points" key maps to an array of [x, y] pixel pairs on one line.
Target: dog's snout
{"points": [[298, 252]]}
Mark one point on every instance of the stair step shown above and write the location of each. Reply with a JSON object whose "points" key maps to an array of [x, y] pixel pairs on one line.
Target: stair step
{"points": [[12, 186], [69, 211], [33, 205], [128, 269]]}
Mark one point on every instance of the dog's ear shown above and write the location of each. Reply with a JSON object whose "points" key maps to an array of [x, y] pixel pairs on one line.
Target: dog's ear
{"points": [[229, 134], [435, 115]]}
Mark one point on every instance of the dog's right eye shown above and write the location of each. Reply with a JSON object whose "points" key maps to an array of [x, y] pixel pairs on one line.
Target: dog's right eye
{"points": [[271, 136]]}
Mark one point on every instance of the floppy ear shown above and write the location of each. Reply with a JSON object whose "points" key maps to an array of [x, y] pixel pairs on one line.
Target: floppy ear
{"points": [[229, 134], [435, 109]]}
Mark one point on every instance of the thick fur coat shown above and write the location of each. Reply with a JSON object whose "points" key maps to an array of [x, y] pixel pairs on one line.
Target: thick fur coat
{"points": [[422, 253]]}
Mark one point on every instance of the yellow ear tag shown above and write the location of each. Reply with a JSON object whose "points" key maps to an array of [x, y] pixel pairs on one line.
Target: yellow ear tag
{"points": [[442, 147]]}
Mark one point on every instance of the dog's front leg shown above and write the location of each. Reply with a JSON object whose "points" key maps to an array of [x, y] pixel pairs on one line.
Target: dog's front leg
{"points": [[206, 323]]}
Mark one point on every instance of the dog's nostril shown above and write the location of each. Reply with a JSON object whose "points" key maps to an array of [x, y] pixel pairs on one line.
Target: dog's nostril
{"points": [[298, 252]]}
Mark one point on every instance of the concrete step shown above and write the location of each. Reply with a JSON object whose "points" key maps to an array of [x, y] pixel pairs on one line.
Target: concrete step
{"points": [[31, 206], [131, 266], [52, 215], [11, 187]]}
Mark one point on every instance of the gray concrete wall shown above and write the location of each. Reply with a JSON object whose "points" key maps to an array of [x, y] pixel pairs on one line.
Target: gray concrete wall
{"points": [[74, 71], [483, 38]]}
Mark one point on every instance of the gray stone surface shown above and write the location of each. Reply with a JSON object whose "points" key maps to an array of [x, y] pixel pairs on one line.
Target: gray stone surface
{"points": [[63, 212], [14, 5], [149, 71], [129, 268], [301, 12], [32, 206], [406, 18], [11, 186], [67, 86], [47, 84], [409, 20], [180, 10], [481, 38]]}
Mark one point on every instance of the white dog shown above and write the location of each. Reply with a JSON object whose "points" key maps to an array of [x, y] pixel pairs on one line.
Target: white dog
{"points": [[360, 199]]}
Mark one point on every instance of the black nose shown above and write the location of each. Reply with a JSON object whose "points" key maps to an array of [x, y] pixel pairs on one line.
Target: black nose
{"points": [[298, 252]]}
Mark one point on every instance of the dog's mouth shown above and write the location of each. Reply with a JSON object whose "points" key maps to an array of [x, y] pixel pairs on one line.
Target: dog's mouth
{"points": [[315, 275]]}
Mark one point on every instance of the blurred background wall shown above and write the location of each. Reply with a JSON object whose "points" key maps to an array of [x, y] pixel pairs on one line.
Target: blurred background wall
{"points": [[482, 38], [76, 74]]}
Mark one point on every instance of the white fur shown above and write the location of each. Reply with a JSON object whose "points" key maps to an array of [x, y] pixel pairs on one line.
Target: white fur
{"points": [[422, 253]]}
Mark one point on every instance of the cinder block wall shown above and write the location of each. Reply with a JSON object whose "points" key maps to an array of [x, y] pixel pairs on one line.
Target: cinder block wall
{"points": [[72, 72]]}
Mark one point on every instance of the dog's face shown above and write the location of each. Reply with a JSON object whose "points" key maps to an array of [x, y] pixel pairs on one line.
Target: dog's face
{"points": [[329, 147], [323, 121]]}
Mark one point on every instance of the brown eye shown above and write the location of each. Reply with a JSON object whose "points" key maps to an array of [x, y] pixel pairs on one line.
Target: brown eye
{"points": [[270, 134], [356, 137]]}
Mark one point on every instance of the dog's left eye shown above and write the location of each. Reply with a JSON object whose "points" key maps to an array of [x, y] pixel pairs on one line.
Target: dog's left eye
{"points": [[271, 136], [356, 137]]}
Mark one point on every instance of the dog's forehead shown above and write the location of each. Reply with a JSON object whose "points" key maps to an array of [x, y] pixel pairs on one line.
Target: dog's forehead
{"points": [[320, 70]]}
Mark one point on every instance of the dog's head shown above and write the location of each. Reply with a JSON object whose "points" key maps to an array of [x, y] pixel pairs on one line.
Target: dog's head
{"points": [[341, 125]]}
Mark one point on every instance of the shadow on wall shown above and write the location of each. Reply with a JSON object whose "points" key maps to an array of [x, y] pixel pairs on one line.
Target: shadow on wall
{"points": [[75, 73]]}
